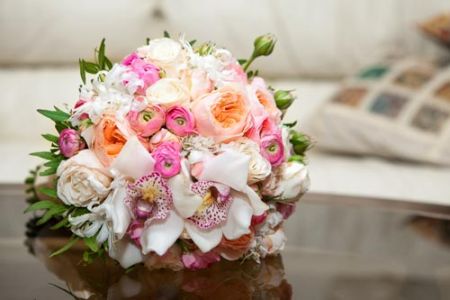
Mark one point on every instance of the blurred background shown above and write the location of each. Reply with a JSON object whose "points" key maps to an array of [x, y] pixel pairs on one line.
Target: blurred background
{"points": [[370, 77]]}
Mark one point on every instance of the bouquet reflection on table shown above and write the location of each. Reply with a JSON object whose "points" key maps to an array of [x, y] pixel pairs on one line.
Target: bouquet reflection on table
{"points": [[105, 279]]}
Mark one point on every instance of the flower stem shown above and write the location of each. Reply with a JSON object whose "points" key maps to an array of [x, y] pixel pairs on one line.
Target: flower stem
{"points": [[248, 62]]}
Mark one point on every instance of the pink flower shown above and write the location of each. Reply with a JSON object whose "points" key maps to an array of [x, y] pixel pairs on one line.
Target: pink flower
{"points": [[147, 72], [265, 98], [162, 136], [148, 121], [256, 220], [272, 147], [80, 103], [135, 231], [180, 121], [222, 114], [167, 159], [198, 260], [128, 60], [70, 142], [286, 209]]}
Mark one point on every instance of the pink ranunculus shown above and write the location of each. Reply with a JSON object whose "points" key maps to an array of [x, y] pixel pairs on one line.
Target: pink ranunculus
{"points": [[70, 142], [135, 231], [180, 121], [197, 260], [147, 72], [167, 159], [148, 121], [272, 147], [237, 74], [222, 114], [128, 60]]}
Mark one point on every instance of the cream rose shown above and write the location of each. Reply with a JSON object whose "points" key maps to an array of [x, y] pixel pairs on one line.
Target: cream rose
{"points": [[259, 168], [168, 92], [164, 53], [294, 180], [82, 180]]}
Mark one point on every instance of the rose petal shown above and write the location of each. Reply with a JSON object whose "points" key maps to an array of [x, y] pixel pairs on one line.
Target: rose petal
{"points": [[134, 160], [185, 201], [88, 135], [204, 239], [239, 218], [160, 236], [126, 253], [85, 158]]}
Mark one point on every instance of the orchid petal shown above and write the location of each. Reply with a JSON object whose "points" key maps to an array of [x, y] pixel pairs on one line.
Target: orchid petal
{"points": [[229, 168], [239, 218], [134, 160], [204, 239], [160, 236], [126, 253], [259, 207], [185, 201], [116, 210]]}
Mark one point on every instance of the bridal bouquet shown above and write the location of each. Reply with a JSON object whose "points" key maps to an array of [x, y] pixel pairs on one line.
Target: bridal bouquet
{"points": [[176, 157]]}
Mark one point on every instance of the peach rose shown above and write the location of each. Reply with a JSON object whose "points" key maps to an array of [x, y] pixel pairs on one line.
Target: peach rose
{"points": [[222, 114], [109, 139], [234, 249], [265, 97]]}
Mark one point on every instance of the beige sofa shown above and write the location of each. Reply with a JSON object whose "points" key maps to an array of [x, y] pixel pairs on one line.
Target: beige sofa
{"points": [[323, 39]]}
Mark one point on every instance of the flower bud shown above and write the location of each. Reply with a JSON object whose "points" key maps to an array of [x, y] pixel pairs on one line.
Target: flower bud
{"points": [[300, 142], [283, 99], [70, 142], [263, 45]]}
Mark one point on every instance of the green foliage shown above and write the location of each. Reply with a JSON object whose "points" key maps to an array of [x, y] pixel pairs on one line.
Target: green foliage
{"points": [[66, 247], [101, 63]]}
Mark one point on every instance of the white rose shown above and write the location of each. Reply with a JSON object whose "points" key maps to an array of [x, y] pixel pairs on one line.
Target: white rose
{"points": [[82, 180], [259, 168], [167, 92], [294, 180], [164, 53]]}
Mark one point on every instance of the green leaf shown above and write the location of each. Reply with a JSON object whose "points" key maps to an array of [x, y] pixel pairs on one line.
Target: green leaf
{"points": [[242, 61], [166, 34], [101, 54], [57, 116], [91, 67], [91, 242], [108, 63], [48, 172], [192, 42], [53, 164], [45, 204], [48, 192], [66, 247], [147, 41], [44, 155], [60, 126], [51, 138], [290, 125], [54, 211], [82, 70], [60, 224]]}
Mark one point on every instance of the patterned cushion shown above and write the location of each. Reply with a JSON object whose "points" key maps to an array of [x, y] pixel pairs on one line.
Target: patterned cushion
{"points": [[399, 110]]}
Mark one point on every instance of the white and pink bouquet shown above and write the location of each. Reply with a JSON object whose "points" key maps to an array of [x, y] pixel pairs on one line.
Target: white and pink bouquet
{"points": [[175, 157]]}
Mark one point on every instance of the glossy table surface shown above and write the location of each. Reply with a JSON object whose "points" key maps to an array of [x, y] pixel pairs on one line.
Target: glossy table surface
{"points": [[338, 248]]}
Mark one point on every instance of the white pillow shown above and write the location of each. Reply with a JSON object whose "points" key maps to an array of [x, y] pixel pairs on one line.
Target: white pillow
{"points": [[399, 110]]}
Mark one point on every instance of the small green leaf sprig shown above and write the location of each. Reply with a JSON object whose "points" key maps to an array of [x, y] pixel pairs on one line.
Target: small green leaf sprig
{"points": [[101, 63]]}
